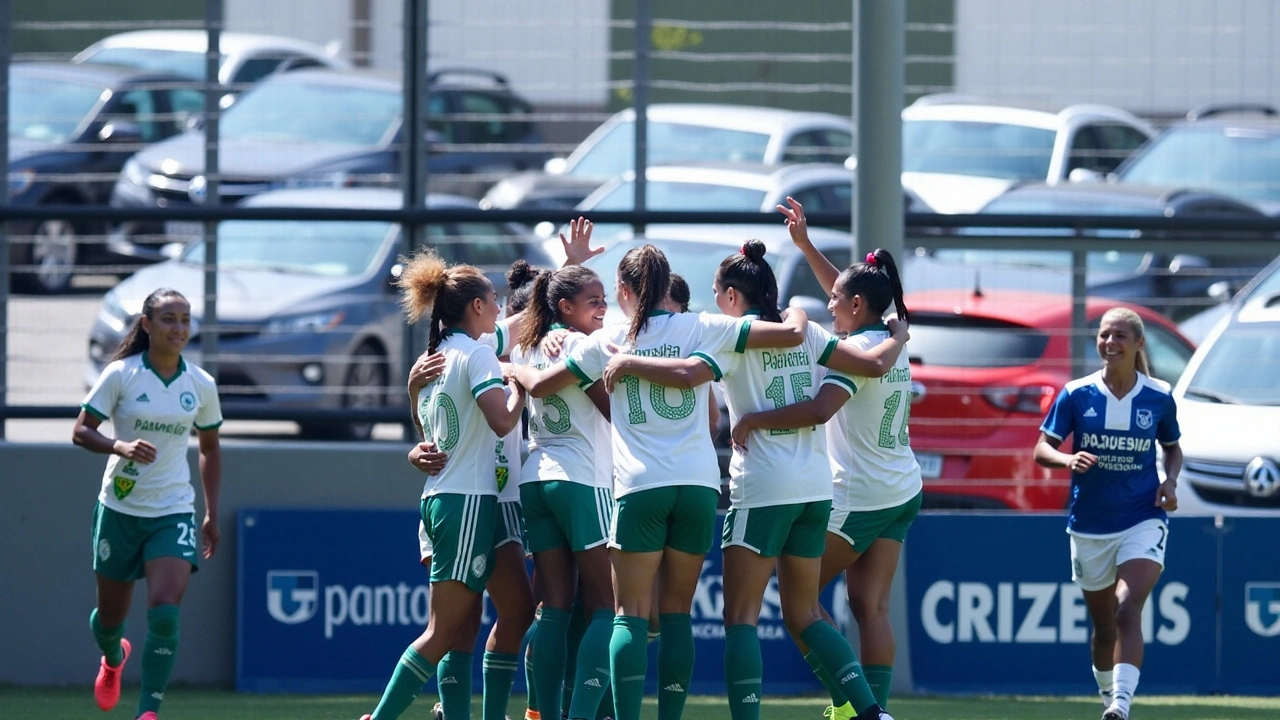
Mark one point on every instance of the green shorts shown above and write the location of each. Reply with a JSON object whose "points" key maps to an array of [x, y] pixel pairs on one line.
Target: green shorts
{"points": [[681, 517], [798, 529], [454, 522], [123, 544], [860, 528], [509, 525], [562, 513]]}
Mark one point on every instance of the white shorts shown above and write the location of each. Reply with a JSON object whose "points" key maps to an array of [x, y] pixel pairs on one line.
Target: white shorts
{"points": [[1094, 560]]}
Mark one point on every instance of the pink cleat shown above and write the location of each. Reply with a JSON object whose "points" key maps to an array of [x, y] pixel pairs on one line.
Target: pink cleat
{"points": [[106, 688], [366, 716], [148, 715]]}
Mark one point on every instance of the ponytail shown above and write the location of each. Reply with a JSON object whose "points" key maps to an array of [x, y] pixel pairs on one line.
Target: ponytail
{"points": [[877, 281], [427, 285], [748, 273], [646, 272], [137, 341], [520, 277]]}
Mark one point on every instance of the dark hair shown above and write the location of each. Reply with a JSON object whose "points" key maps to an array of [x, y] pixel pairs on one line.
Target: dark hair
{"points": [[749, 274], [877, 281], [544, 300], [679, 292], [520, 277], [645, 271], [137, 340], [427, 285]]}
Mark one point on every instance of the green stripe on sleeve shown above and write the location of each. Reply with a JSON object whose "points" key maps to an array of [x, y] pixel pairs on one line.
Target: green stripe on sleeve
{"points": [[93, 411], [502, 339], [743, 331], [584, 380], [826, 354], [710, 361], [842, 382], [491, 382]]}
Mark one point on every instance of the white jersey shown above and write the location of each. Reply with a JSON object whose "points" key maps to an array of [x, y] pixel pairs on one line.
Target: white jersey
{"points": [[661, 436], [783, 466], [508, 451], [871, 456], [142, 405], [452, 419], [568, 437]]}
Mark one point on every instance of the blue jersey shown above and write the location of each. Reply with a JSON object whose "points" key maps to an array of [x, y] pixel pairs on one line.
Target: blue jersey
{"points": [[1120, 490]]}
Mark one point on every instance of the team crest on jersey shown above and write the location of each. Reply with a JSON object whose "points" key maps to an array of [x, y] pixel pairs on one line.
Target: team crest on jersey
{"points": [[188, 401], [504, 475], [1144, 418], [123, 486]]}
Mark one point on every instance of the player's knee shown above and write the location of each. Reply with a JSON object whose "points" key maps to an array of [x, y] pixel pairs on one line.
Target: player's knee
{"points": [[1128, 613]]}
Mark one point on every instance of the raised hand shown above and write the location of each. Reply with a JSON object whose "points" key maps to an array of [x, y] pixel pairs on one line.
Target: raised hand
{"points": [[577, 247], [797, 225]]}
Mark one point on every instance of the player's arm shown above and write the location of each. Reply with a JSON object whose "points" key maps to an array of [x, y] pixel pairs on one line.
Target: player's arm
{"points": [[1167, 495], [211, 483], [714, 412], [1048, 455], [788, 333], [806, 413], [541, 383], [428, 367], [86, 434], [683, 373], [502, 413], [798, 227], [600, 398], [873, 362]]}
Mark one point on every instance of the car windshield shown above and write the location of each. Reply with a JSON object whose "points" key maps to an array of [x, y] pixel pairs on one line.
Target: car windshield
{"points": [[1242, 367], [313, 112], [302, 247], [669, 144], [696, 262], [995, 150], [49, 110], [973, 342], [682, 196], [1238, 161], [187, 63]]}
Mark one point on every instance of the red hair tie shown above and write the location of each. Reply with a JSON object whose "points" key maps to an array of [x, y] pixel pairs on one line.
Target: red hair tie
{"points": [[742, 250], [871, 260]]}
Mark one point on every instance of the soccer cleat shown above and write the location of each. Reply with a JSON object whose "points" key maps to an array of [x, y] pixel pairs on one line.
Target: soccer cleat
{"points": [[532, 715], [148, 715], [1115, 712], [437, 712], [366, 716], [106, 688], [875, 712], [844, 712]]}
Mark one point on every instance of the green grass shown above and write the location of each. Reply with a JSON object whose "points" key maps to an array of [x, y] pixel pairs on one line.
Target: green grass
{"points": [[188, 704]]}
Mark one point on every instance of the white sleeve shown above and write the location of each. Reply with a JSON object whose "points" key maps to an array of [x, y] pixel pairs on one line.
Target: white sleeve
{"points": [[105, 394], [209, 416], [500, 340], [587, 359], [721, 333], [820, 342], [483, 371]]}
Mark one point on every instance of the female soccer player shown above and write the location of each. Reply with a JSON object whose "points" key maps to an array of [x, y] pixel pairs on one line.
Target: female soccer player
{"points": [[780, 493], [463, 414], [1117, 519], [144, 523], [666, 478], [878, 488]]}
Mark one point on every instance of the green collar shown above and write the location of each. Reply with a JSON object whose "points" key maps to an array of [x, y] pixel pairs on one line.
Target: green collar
{"points": [[656, 313], [752, 311], [559, 326], [870, 328], [146, 362]]}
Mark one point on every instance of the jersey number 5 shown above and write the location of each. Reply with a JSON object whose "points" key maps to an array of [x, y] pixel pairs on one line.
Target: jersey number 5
{"points": [[891, 405]]}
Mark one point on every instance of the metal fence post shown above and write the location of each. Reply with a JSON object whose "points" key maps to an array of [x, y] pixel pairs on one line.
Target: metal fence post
{"points": [[640, 102], [6, 52], [881, 39], [414, 156], [1079, 321], [213, 193]]}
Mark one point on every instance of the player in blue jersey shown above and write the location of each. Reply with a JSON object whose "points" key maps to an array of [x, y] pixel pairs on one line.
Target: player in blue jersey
{"points": [[1117, 521]]}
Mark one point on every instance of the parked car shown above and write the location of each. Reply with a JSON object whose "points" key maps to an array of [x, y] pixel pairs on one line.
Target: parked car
{"points": [[309, 128], [985, 368], [678, 133], [1175, 284], [1229, 410], [71, 128], [958, 154], [1198, 326], [308, 314], [1229, 149], [245, 59]]}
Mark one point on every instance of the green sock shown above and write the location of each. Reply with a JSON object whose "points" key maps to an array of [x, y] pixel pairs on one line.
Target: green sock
{"points": [[605, 710], [548, 671], [158, 655], [743, 670], [108, 639], [675, 664], [833, 689], [591, 679], [628, 663], [578, 623], [499, 671], [839, 660], [532, 702], [453, 682], [411, 673], [880, 677]]}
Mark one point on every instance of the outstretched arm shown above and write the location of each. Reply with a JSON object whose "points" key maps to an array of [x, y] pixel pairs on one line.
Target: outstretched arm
{"points": [[806, 413], [788, 333], [669, 372], [577, 247], [798, 226], [541, 383], [872, 362]]}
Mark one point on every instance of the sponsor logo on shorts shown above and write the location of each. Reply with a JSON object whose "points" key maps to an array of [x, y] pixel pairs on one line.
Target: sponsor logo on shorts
{"points": [[188, 401], [293, 595], [1144, 418], [478, 565], [1262, 608], [122, 486], [104, 549]]}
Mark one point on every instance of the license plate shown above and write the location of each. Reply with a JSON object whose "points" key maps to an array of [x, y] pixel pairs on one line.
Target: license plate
{"points": [[183, 230], [930, 465]]}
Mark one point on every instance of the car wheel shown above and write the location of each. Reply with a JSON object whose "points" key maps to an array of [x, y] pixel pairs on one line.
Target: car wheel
{"points": [[51, 257], [366, 388]]}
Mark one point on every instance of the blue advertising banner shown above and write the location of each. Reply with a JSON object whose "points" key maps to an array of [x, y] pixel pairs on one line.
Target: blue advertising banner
{"points": [[992, 608], [1250, 606], [328, 599]]}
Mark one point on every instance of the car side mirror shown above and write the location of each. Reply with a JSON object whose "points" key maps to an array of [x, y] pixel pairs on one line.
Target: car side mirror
{"points": [[1184, 262], [814, 307], [1221, 292], [119, 132], [1085, 175], [556, 166]]}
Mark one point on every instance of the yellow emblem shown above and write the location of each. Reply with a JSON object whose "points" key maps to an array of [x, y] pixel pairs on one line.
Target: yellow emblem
{"points": [[504, 474], [124, 486]]}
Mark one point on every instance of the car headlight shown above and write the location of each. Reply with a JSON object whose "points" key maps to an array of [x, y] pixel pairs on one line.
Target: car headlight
{"points": [[311, 323], [134, 173], [20, 181], [113, 315]]}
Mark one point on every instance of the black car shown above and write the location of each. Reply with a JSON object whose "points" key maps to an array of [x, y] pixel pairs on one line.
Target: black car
{"points": [[1174, 284], [321, 128], [71, 128]]}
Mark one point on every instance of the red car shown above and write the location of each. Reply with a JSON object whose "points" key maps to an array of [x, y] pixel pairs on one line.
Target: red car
{"points": [[986, 366]]}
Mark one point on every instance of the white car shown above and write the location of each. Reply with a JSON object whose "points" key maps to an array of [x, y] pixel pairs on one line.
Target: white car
{"points": [[958, 154], [1229, 410]]}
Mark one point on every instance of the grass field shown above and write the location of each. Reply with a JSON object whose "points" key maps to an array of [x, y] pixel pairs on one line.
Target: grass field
{"points": [[185, 704]]}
